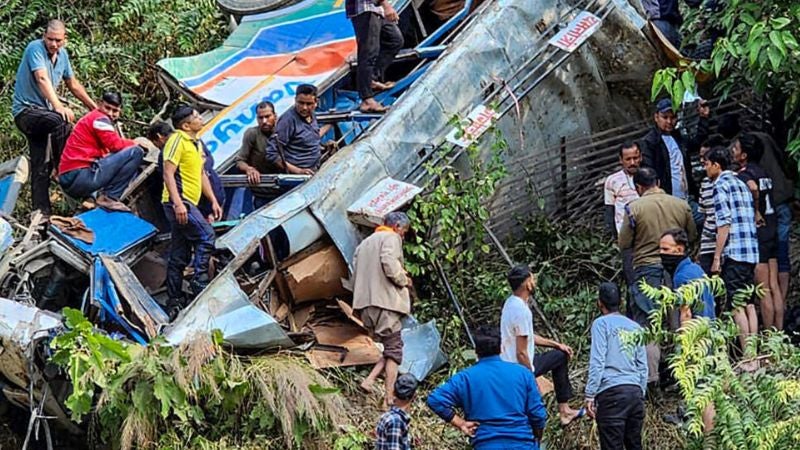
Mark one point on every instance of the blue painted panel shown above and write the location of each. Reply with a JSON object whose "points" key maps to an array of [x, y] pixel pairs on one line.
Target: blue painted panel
{"points": [[114, 232]]}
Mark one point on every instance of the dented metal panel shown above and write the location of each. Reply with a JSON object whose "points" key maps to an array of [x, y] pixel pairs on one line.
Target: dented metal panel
{"points": [[19, 326], [224, 306]]}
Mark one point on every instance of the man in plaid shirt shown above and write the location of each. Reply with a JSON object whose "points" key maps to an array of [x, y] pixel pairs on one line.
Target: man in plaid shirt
{"points": [[736, 252], [392, 430]]}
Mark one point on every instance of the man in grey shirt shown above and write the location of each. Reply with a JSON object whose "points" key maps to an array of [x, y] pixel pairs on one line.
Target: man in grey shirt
{"points": [[251, 159], [617, 376], [295, 146]]}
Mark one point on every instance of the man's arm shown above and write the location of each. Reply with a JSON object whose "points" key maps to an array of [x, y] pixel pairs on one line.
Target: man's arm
{"points": [[444, 400], [625, 239], [641, 363], [522, 352], [79, 92], [243, 155], [208, 192], [723, 215], [391, 257], [49, 93], [104, 129], [691, 227], [544, 342], [754, 191], [534, 408], [597, 360], [181, 213], [611, 224]]}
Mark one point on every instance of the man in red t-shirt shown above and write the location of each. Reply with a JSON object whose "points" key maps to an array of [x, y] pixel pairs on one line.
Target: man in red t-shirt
{"points": [[96, 158]]}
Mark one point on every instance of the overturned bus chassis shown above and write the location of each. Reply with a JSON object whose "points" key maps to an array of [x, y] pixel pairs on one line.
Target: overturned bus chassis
{"points": [[278, 271]]}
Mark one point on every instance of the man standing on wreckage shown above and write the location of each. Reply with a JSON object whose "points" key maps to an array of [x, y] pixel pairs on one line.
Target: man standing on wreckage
{"points": [[185, 183], [381, 297]]}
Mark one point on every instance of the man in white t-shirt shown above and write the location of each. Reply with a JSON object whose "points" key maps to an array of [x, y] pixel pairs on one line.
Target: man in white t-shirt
{"points": [[519, 341]]}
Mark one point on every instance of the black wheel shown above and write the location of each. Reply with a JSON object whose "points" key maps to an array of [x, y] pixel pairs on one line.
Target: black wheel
{"points": [[247, 7]]}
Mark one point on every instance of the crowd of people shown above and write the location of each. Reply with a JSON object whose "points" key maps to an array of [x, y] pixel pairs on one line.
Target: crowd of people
{"points": [[91, 158]]}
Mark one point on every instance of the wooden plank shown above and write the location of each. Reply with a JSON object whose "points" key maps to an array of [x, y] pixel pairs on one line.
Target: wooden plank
{"points": [[360, 349]]}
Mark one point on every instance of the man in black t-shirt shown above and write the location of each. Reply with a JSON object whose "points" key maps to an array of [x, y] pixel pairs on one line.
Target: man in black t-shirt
{"points": [[747, 151]]}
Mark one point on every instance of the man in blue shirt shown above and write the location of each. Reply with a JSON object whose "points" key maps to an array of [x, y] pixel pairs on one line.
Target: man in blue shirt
{"points": [[672, 246], [39, 113], [617, 376], [500, 400], [295, 145]]}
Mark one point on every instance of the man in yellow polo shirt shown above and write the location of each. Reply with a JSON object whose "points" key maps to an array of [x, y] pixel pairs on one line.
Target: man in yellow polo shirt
{"points": [[185, 182]]}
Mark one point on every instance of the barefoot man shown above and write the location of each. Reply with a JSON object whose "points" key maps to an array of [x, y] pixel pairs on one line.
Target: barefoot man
{"points": [[380, 295]]}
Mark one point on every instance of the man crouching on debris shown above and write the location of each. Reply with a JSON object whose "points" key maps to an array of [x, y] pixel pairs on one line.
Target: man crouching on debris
{"points": [[185, 182], [97, 158], [380, 295]]}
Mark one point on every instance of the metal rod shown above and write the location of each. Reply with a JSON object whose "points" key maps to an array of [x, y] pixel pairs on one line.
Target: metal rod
{"points": [[456, 304]]}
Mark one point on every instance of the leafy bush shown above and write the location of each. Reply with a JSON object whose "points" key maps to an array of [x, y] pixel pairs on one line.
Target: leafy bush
{"points": [[753, 410], [158, 396]]}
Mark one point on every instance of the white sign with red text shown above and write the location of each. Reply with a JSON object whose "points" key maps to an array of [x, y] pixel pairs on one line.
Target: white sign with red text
{"points": [[477, 122], [386, 196], [576, 33]]}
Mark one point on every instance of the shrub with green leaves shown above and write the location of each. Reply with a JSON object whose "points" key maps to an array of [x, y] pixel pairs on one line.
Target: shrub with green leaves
{"points": [[753, 410], [159, 396]]}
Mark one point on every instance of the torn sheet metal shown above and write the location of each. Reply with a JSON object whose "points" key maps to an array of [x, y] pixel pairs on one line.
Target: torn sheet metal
{"points": [[422, 352], [224, 306], [104, 295], [13, 174], [19, 326], [141, 309], [6, 236], [386, 196]]}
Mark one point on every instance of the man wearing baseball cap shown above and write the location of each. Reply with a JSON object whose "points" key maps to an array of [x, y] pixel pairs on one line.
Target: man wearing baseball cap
{"points": [[393, 426], [666, 151]]}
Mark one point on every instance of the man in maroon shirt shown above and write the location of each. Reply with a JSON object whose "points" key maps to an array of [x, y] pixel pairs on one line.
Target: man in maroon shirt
{"points": [[96, 158]]}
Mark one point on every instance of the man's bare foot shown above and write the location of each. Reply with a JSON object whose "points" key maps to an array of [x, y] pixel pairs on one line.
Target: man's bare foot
{"points": [[110, 204], [370, 105], [366, 385], [569, 415]]}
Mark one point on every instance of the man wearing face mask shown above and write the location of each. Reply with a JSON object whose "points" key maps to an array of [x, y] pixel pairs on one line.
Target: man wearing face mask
{"points": [[645, 221], [672, 246]]}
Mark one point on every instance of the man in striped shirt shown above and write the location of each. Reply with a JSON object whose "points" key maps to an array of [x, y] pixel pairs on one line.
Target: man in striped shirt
{"points": [[708, 235]]}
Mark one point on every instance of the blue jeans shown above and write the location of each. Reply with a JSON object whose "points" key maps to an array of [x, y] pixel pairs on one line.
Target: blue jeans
{"points": [[642, 304], [784, 213], [111, 175], [196, 234]]}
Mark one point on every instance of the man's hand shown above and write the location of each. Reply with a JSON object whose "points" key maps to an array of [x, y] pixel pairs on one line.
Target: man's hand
{"points": [[760, 221], [703, 110], [716, 265], [181, 213], [66, 113], [389, 12], [467, 427], [566, 349], [590, 408], [216, 211], [298, 171], [253, 176]]}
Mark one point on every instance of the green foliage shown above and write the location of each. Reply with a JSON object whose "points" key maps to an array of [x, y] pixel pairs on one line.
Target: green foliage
{"points": [[674, 82], [753, 410], [758, 49], [352, 439], [158, 396], [111, 44], [448, 219]]}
